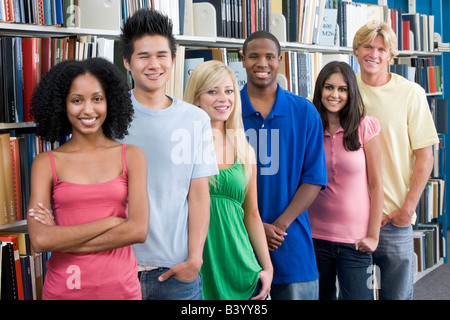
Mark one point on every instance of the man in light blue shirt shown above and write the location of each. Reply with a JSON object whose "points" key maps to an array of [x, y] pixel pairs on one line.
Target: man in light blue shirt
{"points": [[177, 140]]}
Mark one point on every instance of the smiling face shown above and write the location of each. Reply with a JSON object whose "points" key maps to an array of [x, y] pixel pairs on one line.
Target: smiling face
{"points": [[218, 101], [262, 62], [335, 93], [86, 104], [151, 63], [373, 57]]}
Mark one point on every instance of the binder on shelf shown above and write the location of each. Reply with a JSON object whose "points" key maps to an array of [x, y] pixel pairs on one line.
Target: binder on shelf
{"points": [[204, 18], [219, 7], [328, 27], [278, 26], [89, 14]]}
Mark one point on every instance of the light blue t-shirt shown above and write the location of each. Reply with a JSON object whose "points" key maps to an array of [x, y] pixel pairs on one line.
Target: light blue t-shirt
{"points": [[178, 144]]}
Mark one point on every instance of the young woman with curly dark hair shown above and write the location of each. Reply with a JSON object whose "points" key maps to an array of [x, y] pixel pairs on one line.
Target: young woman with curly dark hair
{"points": [[95, 186]]}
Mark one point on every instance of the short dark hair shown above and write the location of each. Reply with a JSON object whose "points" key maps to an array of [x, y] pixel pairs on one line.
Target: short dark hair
{"points": [[262, 34], [142, 23], [48, 103], [350, 116]]}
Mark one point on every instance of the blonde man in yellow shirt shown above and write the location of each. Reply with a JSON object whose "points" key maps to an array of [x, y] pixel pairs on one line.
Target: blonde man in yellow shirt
{"points": [[407, 135]]}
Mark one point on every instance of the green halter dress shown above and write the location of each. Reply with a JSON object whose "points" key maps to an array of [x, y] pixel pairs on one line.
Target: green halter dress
{"points": [[230, 269]]}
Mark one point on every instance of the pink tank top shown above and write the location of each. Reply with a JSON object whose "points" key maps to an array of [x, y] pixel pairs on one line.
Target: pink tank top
{"points": [[110, 274]]}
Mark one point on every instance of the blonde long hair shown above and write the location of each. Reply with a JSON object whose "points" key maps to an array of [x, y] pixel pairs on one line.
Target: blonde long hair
{"points": [[204, 77]]}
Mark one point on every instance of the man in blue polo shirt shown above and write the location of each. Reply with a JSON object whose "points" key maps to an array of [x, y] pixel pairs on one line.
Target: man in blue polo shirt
{"points": [[286, 132]]}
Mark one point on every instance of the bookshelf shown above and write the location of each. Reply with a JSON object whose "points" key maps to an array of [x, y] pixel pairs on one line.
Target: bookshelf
{"points": [[192, 37]]}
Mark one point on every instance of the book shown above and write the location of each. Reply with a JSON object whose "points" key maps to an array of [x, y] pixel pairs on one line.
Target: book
{"points": [[234, 62], [431, 79], [9, 79], [89, 15], [419, 250], [9, 289], [220, 7], [328, 29], [5, 150], [406, 45], [414, 20], [4, 213], [31, 74], [16, 169], [12, 239], [26, 277], [441, 115], [290, 11]]}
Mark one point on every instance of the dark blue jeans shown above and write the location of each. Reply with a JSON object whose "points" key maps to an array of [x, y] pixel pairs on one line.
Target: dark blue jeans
{"points": [[171, 289], [352, 268]]}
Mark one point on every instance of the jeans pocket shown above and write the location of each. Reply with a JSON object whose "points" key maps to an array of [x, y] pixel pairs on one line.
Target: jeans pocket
{"points": [[186, 281]]}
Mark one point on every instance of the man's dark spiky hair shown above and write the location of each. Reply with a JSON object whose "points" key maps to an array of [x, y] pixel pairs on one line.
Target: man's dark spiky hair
{"points": [[142, 23]]}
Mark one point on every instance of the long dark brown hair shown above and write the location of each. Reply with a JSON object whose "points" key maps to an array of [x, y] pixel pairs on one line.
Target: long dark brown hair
{"points": [[350, 116]]}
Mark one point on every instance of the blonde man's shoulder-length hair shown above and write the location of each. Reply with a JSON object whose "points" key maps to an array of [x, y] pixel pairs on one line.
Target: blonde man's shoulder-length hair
{"points": [[203, 78], [370, 30]]}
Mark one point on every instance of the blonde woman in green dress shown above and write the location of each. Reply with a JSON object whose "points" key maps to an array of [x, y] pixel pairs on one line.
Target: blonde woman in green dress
{"points": [[236, 261]]}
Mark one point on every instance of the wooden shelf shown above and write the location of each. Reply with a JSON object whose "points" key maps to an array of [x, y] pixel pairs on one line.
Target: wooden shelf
{"points": [[23, 29], [16, 226], [17, 125]]}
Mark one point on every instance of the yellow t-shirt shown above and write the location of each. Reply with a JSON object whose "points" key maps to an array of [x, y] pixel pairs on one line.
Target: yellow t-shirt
{"points": [[402, 109]]}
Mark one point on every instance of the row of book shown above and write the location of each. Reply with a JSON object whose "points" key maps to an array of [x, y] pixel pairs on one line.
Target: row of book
{"points": [[324, 22], [431, 203], [39, 12], [297, 73], [16, 156], [423, 70], [22, 270], [414, 31], [175, 9], [429, 245], [26, 60]]}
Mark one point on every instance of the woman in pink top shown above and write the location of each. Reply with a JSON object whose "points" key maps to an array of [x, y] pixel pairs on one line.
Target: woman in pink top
{"points": [[95, 187], [346, 216]]}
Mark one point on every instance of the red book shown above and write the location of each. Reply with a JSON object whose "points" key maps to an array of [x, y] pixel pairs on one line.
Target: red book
{"points": [[45, 55], [14, 240], [40, 13], [406, 27], [30, 57], [431, 79]]}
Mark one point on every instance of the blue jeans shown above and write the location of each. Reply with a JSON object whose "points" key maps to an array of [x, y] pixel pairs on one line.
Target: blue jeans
{"points": [[395, 259], [352, 268], [308, 290], [171, 289]]}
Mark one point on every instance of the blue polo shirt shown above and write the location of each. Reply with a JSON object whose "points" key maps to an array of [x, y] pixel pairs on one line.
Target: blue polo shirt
{"points": [[289, 149]]}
